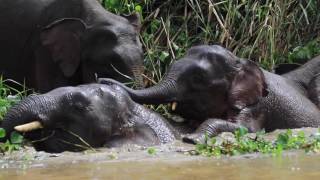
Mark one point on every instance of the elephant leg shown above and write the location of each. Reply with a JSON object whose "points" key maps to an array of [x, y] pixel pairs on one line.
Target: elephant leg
{"points": [[211, 127], [314, 90]]}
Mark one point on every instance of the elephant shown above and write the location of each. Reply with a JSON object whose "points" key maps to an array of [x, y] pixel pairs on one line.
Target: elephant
{"points": [[53, 43], [285, 68], [76, 118], [216, 91]]}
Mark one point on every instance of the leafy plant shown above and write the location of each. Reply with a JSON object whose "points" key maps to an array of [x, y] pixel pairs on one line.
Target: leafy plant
{"points": [[152, 150], [122, 6], [245, 144], [6, 101], [301, 54], [14, 143]]}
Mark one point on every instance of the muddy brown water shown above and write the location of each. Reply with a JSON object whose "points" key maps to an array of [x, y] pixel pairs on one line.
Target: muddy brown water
{"points": [[169, 163], [297, 166]]}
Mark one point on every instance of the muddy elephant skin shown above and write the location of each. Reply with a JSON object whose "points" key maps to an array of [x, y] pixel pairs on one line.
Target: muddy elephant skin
{"points": [[215, 91], [85, 116]]}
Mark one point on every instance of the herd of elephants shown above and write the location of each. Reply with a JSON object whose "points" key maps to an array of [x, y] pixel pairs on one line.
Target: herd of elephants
{"points": [[76, 54]]}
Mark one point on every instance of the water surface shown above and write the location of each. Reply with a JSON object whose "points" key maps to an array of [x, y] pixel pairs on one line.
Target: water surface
{"points": [[293, 166]]}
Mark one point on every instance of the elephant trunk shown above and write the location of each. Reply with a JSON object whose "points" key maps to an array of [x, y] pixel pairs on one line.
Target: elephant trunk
{"points": [[165, 91], [33, 108]]}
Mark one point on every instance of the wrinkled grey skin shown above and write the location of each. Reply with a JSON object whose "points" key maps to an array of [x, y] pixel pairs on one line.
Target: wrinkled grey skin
{"points": [[54, 43], [217, 91], [100, 115]]}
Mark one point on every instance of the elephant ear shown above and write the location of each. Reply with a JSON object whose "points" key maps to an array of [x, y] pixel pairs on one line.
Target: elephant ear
{"points": [[62, 39], [134, 20], [248, 85]]}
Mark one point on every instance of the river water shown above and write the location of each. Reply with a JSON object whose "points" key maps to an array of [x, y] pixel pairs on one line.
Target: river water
{"points": [[169, 162], [293, 166]]}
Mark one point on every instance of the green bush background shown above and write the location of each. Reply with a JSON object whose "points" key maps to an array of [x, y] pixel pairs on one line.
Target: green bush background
{"points": [[268, 31]]}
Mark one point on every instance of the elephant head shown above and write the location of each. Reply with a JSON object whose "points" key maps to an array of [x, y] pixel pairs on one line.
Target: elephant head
{"points": [[78, 118], [100, 49], [209, 81]]}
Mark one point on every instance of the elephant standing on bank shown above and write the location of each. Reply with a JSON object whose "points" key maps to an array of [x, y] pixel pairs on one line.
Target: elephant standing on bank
{"points": [[54, 43], [215, 91], [85, 116]]}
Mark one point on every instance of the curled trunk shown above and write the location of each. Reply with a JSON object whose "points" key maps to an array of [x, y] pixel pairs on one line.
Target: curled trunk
{"points": [[33, 108]]}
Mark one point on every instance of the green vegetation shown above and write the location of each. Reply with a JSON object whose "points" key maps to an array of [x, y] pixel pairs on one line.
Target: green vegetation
{"points": [[301, 54], [14, 143], [244, 144], [269, 32], [6, 101], [152, 151], [6, 97]]}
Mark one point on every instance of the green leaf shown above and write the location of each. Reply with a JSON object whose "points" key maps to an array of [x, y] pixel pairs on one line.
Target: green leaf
{"points": [[2, 132], [152, 151], [138, 8], [241, 132], [16, 138], [163, 56], [282, 139]]}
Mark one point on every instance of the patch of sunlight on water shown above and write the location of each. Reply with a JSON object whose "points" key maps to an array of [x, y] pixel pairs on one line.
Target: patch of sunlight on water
{"points": [[293, 167]]}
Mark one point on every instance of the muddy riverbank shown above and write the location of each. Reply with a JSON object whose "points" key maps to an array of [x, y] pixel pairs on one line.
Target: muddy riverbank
{"points": [[170, 161]]}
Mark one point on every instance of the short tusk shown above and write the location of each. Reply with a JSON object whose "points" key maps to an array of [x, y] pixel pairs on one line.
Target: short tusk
{"points": [[174, 106], [28, 127]]}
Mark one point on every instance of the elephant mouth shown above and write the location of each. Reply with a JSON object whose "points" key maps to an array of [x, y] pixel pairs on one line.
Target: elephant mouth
{"points": [[197, 110]]}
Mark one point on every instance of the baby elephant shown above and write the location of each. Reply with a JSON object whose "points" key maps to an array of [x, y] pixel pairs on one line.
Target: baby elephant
{"points": [[78, 118], [215, 91]]}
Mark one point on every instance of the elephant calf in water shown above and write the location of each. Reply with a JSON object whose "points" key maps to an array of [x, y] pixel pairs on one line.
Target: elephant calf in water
{"points": [[215, 91], [77, 118]]}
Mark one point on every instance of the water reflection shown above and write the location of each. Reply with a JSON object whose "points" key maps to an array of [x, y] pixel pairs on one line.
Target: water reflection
{"points": [[294, 166]]}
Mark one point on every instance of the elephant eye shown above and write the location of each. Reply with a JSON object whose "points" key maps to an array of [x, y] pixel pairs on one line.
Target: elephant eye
{"points": [[198, 77]]}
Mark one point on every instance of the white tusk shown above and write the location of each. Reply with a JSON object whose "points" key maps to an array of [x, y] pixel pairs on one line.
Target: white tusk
{"points": [[174, 106], [28, 127]]}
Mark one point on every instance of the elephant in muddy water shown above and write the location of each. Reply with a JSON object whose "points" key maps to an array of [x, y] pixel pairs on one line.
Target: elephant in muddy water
{"points": [[85, 116], [55, 43], [215, 91]]}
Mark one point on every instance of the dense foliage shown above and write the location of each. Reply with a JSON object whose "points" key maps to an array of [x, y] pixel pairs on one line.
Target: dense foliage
{"points": [[268, 31]]}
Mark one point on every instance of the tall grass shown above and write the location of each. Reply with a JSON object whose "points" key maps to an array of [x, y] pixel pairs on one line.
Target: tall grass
{"points": [[10, 95], [266, 31]]}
